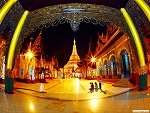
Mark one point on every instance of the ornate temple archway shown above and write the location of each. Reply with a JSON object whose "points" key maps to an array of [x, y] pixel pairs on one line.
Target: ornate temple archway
{"points": [[72, 14], [125, 64], [105, 67], [113, 65]]}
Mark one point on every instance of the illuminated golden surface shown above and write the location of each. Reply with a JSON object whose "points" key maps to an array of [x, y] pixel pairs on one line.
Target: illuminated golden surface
{"points": [[68, 89], [14, 40], [22, 103], [5, 9], [73, 60], [136, 37], [144, 7]]}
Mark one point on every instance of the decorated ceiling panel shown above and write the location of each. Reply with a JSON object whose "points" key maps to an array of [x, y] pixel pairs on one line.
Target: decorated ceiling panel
{"points": [[73, 13]]}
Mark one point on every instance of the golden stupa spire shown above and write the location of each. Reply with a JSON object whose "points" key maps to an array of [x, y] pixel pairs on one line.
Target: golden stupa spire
{"points": [[74, 51], [73, 60]]}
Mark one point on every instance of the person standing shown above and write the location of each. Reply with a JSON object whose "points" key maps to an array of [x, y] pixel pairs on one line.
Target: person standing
{"points": [[96, 87], [100, 84]]}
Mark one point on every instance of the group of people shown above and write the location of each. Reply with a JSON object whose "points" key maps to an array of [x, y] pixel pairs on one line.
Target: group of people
{"points": [[94, 86]]}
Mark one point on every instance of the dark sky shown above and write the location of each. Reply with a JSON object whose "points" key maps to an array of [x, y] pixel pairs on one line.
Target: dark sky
{"points": [[58, 40]]}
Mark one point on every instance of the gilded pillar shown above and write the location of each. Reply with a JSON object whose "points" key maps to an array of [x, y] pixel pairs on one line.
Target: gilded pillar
{"points": [[9, 80], [142, 73]]}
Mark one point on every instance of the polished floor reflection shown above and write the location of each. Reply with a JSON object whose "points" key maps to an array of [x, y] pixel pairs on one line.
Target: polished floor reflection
{"points": [[48, 98]]}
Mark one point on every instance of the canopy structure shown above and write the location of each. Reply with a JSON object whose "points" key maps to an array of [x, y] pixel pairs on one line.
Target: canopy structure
{"points": [[21, 18]]}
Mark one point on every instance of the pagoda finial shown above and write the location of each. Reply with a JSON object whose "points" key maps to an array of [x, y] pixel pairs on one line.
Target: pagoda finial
{"points": [[74, 41], [40, 32], [30, 44]]}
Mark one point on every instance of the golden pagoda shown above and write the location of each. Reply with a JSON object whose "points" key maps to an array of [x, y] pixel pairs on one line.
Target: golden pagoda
{"points": [[71, 65]]}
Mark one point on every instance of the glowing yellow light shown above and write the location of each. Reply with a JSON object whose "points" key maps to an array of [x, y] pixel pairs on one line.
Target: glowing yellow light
{"points": [[93, 59], [100, 59], [144, 7], [5, 9], [29, 54], [135, 36], [14, 40], [31, 106], [147, 94], [94, 103]]}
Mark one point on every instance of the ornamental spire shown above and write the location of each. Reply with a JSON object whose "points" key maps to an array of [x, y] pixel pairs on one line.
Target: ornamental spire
{"points": [[74, 51], [37, 46]]}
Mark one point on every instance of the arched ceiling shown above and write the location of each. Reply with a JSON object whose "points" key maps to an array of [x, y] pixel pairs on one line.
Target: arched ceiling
{"points": [[36, 18], [31, 5]]}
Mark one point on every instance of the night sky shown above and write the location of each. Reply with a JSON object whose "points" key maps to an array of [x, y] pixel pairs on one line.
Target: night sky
{"points": [[58, 40]]}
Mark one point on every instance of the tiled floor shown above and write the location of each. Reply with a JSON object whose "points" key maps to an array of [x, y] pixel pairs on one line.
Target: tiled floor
{"points": [[71, 96]]}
